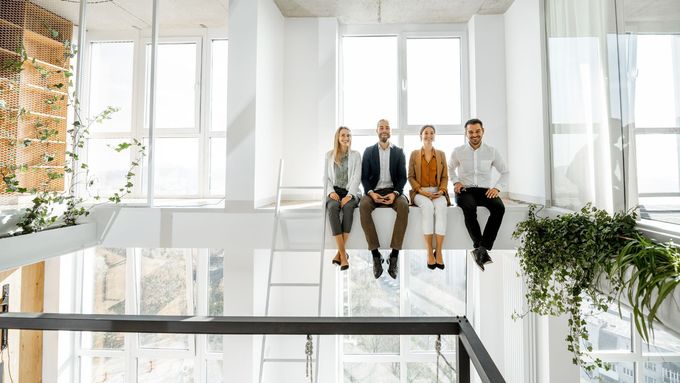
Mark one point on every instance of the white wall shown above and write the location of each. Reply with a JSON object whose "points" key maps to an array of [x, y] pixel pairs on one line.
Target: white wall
{"points": [[525, 108], [241, 101], [269, 100], [310, 101], [487, 78]]}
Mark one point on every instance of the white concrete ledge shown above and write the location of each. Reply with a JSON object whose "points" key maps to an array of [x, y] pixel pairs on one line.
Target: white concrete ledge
{"points": [[30, 248], [299, 229]]}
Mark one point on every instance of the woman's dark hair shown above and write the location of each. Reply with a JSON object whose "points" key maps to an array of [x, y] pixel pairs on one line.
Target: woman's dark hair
{"points": [[425, 127]]}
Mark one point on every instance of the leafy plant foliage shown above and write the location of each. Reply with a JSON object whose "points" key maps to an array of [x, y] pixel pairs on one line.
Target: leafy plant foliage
{"points": [[46, 203], [563, 259]]}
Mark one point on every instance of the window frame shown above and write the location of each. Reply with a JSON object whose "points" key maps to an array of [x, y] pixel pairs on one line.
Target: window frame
{"points": [[406, 353], [131, 351], [404, 32], [203, 103], [636, 355]]}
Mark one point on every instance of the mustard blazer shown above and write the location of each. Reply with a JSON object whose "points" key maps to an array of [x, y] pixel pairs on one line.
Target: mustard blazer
{"points": [[414, 177]]}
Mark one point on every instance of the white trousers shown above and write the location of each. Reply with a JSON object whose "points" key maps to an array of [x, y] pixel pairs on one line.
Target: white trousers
{"points": [[432, 211]]}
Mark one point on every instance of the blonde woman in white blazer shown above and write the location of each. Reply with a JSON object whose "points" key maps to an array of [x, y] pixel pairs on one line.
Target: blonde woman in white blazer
{"points": [[343, 176]]}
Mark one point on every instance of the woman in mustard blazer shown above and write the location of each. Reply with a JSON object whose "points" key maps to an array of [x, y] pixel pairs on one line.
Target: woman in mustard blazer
{"points": [[429, 178]]}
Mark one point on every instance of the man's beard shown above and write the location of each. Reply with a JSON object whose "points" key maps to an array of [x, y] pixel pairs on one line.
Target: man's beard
{"points": [[384, 139]]}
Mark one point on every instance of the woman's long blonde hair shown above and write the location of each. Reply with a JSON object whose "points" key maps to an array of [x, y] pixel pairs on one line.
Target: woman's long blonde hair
{"points": [[336, 144]]}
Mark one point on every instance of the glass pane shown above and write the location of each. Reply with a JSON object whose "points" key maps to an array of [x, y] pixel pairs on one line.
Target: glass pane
{"points": [[369, 88], [433, 72], [214, 371], [367, 296], [657, 172], [107, 168], [166, 370], [664, 342], [608, 332], [427, 372], [666, 372], [437, 293], [360, 143], [371, 372], [657, 85], [658, 163], [218, 164], [164, 275], [444, 142], [176, 167], [619, 373], [111, 65], [585, 119], [218, 86], [102, 370], [176, 84], [574, 174], [426, 343], [104, 293], [216, 294]]}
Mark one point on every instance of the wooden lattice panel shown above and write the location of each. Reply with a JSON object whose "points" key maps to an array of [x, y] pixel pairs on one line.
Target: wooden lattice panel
{"points": [[34, 52]]}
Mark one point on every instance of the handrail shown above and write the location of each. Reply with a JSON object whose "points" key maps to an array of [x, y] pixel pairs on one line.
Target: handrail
{"points": [[470, 347]]}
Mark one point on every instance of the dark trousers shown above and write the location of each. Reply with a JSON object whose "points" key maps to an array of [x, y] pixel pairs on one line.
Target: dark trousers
{"points": [[366, 207], [340, 225], [468, 200]]}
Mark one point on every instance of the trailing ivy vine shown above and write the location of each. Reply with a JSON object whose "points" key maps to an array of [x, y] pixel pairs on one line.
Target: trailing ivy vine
{"points": [[46, 203], [563, 259]]}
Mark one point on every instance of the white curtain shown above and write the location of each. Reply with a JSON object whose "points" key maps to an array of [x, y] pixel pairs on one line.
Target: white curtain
{"points": [[585, 117]]}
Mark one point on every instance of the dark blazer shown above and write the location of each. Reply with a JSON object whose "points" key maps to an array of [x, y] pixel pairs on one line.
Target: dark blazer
{"points": [[370, 168]]}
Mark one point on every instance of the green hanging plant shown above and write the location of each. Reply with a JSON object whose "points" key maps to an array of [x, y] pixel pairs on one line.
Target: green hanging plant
{"points": [[43, 213], [563, 259], [647, 273]]}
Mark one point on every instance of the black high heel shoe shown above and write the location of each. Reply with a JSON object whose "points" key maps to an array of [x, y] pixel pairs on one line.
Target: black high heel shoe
{"points": [[336, 260], [437, 264], [345, 267], [433, 265]]}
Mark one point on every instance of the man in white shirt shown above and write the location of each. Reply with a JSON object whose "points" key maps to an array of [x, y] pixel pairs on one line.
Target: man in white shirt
{"points": [[470, 171]]}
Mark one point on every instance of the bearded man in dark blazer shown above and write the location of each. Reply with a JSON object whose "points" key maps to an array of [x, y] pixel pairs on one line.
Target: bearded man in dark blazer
{"points": [[383, 176]]}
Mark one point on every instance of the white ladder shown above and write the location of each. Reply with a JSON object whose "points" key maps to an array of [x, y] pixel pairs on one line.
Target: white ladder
{"points": [[274, 250]]}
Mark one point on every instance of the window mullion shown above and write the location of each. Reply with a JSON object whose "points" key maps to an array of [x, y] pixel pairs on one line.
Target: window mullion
{"points": [[402, 82]]}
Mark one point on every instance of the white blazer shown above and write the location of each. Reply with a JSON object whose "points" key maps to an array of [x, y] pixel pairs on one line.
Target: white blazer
{"points": [[353, 173]]}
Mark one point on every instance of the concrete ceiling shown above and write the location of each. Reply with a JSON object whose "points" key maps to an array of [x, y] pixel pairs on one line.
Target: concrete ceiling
{"points": [[652, 11], [393, 11], [136, 14]]}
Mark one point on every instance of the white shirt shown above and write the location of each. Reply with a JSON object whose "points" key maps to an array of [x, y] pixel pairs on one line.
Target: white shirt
{"points": [[385, 180], [472, 167]]}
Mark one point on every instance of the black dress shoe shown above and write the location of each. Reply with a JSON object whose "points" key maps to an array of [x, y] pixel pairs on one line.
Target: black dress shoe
{"points": [[486, 258], [393, 270], [477, 256], [377, 267]]}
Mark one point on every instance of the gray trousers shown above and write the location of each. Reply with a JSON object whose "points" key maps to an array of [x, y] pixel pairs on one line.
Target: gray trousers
{"points": [[341, 223]]}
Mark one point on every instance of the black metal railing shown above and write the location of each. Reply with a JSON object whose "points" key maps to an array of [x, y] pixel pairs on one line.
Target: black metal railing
{"points": [[470, 347]]}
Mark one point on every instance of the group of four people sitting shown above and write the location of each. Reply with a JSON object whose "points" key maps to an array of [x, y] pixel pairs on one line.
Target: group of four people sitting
{"points": [[382, 173]]}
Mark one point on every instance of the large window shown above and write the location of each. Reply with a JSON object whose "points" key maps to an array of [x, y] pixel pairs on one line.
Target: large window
{"points": [[409, 79], [656, 103], [417, 292], [152, 282], [190, 124], [615, 340]]}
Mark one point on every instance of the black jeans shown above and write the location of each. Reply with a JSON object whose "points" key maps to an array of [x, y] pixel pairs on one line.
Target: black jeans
{"points": [[468, 200]]}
